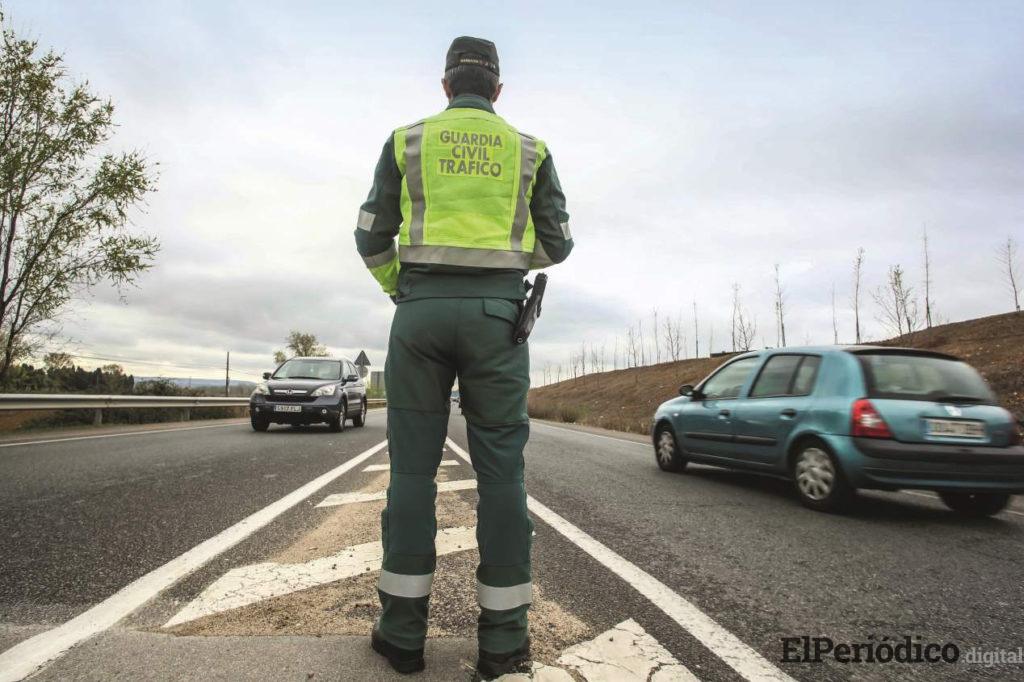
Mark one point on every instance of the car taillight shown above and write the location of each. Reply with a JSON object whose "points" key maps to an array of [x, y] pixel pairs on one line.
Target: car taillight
{"points": [[867, 423]]}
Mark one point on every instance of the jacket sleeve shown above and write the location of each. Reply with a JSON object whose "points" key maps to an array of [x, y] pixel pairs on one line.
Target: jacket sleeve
{"points": [[380, 218], [550, 219]]}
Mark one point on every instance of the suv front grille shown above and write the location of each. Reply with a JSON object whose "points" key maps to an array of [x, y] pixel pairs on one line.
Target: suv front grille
{"points": [[294, 398]]}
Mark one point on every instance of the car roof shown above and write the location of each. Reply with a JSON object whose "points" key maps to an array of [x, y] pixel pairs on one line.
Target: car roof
{"points": [[861, 349], [319, 357]]}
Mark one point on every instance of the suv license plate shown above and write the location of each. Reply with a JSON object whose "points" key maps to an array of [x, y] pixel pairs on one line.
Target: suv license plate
{"points": [[956, 429], [287, 408]]}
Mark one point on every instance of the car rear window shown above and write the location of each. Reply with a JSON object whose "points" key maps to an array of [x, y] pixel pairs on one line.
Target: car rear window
{"points": [[923, 377]]}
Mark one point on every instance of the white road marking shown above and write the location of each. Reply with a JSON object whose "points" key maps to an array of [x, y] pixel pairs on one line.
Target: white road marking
{"points": [[737, 655], [117, 435], [387, 467], [625, 653], [933, 496], [251, 584], [30, 655], [587, 433], [352, 498]]}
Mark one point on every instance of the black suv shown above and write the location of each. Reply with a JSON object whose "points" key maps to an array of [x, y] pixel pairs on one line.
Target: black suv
{"points": [[309, 391]]}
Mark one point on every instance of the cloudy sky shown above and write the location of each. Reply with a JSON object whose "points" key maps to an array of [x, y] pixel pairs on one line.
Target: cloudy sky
{"points": [[698, 143]]}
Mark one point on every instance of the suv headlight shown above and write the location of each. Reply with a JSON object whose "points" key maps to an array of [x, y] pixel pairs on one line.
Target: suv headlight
{"points": [[261, 389], [329, 389]]}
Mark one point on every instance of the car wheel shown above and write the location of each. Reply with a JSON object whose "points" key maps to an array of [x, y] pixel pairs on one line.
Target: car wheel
{"points": [[819, 480], [338, 423], [360, 419], [975, 505], [667, 451], [259, 424]]}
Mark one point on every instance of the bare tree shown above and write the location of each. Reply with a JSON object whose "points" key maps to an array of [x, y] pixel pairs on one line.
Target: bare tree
{"points": [[835, 321], [780, 310], [744, 328], [640, 342], [711, 339], [898, 310], [927, 279], [1007, 256], [657, 345], [632, 354], [696, 332], [735, 311], [858, 271], [673, 338]]}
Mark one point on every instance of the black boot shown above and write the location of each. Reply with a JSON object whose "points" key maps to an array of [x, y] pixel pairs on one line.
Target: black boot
{"points": [[490, 666], [404, 661]]}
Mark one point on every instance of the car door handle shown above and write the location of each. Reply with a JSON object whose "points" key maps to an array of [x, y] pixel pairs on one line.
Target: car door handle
{"points": [[789, 412], [724, 413]]}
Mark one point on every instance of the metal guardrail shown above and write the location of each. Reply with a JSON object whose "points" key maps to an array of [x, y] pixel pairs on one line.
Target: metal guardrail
{"points": [[43, 401]]}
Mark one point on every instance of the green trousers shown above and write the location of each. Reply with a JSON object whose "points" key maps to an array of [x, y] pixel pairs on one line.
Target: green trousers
{"points": [[432, 342]]}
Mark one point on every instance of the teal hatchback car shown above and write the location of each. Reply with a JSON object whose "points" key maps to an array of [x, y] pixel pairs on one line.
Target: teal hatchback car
{"points": [[836, 419]]}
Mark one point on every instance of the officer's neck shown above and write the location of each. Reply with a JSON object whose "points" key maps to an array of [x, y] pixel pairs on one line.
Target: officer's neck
{"points": [[468, 101]]}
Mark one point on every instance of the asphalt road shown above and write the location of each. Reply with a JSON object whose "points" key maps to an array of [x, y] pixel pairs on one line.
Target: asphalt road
{"points": [[81, 519]]}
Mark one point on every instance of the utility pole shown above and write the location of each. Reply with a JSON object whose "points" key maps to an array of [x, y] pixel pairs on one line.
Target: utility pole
{"points": [[227, 375]]}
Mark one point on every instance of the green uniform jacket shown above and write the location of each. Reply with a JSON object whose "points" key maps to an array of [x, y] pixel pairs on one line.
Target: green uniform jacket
{"points": [[419, 280]]}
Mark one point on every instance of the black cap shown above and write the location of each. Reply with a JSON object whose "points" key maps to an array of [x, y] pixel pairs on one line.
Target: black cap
{"points": [[472, 52]]}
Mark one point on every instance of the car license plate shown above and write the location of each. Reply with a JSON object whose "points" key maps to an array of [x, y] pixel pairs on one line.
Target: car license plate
{"points": [[287, 408], [955, 428]]}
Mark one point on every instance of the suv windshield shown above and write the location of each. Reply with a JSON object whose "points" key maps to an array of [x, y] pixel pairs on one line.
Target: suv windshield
{"points": [[329, 370], [923, 377]]}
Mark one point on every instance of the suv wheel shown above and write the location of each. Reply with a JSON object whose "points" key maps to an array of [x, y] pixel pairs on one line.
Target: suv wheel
{"points": [[819, 480], [338, 423], [975, 505], [259, 423], [360, 419], [667, 451]]}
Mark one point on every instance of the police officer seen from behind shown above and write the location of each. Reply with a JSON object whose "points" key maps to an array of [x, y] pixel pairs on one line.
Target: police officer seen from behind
{"points": [[474, 205]]}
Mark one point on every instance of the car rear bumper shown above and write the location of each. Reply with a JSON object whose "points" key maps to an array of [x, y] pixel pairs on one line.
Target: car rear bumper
{"points": [[320, 410], [877, 463]]}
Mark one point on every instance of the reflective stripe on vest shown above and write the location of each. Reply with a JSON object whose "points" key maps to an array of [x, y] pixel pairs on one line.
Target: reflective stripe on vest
{"points": [[467, 181]]}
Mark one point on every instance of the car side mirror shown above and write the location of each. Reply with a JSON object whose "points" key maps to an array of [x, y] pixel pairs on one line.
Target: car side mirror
{"points": [[266, 375], [351, 377], [686, 390]]}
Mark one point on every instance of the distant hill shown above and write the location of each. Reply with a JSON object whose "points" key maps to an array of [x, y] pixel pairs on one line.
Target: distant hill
{"points": [[625, 399], [202, 383]]}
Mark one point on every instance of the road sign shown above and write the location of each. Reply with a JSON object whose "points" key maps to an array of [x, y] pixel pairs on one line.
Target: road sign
{"points": [[362, 360]]}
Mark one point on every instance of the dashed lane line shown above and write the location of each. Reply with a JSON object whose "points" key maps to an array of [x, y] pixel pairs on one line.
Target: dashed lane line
{"points": [[246, 585], [117, 435], [737, 655], [29, 656], [339, 499], [387, 467]]}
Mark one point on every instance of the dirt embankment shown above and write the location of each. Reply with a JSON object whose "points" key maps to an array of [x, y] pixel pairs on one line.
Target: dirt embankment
{"points": [[626, 399]]}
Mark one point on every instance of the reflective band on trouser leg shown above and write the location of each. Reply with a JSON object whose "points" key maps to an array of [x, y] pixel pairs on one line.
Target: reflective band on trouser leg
{"points": [[414, 180], [411, 586], [527, 166], [504, 598]]}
